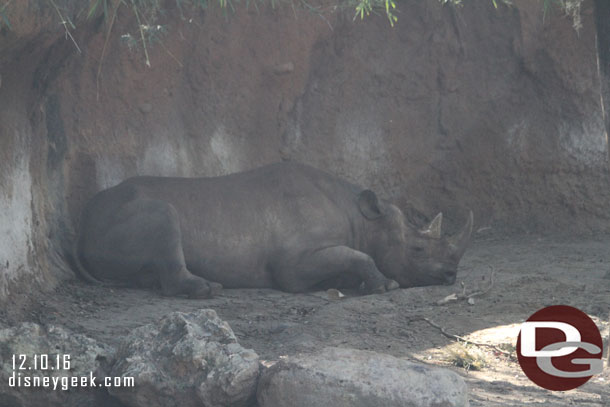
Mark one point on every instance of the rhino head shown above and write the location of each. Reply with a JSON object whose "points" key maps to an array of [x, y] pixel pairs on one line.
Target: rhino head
{"points": [[411, 256]]}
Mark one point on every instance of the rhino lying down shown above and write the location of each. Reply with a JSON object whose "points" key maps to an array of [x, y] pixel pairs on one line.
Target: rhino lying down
{"points": [[286, 225]]}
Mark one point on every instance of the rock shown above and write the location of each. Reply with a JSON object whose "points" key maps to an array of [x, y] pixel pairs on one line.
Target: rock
{"points": [[56, 354], [334, 294], [145, 107], [186, 359], [348, 377], [283, 69]]}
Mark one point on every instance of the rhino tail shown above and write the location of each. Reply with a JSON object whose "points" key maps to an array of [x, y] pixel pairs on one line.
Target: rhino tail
{"points": [[79, 268]]}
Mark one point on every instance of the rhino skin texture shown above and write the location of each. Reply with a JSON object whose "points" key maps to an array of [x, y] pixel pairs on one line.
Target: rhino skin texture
{"points": [[286, 226]]}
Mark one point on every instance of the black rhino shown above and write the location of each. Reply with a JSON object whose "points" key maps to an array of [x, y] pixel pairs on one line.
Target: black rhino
{"points": [[285, 225]]}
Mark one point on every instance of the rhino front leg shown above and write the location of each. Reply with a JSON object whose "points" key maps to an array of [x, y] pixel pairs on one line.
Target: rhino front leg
{"points": [[314, 267]]}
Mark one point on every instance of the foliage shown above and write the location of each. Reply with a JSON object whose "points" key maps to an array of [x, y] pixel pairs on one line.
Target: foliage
{"points": [[368, 6], [466, 356], [147, 12], [3, 19], [569, 7]]}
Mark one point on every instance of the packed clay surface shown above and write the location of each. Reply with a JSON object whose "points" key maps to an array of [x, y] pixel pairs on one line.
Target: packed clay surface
{"points": [[529, 273]]}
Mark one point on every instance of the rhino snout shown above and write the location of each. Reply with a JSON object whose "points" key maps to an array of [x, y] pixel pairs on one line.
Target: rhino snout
{"points": [[439, 274], [449, 277], [444, 274]]}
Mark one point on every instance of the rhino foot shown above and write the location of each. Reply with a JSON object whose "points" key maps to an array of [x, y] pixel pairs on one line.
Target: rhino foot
{"points": [[388, 285], [391, 285], [192, 286], [205, 290]]}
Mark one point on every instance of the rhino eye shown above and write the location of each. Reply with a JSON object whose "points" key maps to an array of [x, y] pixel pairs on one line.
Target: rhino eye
{"points": [[418, 249]]}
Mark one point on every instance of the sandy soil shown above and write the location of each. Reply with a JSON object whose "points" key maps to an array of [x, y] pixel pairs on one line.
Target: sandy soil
{"points": [[530, 273]]}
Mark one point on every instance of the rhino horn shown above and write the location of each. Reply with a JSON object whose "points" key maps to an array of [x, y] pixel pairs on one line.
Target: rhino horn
{"points": [[433, 230], [460, 240]]}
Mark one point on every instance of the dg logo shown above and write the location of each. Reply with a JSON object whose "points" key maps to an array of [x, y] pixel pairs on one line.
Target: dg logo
{"points": [[560, 348]]}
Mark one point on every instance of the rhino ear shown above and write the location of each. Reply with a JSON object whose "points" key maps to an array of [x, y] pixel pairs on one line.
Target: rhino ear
{"points": [[369, 205]]}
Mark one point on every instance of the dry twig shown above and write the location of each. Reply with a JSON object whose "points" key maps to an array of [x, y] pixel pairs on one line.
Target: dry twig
{"points": [[99, 67], [64, 23], [468, 296], [135, 11], [458, 338]]}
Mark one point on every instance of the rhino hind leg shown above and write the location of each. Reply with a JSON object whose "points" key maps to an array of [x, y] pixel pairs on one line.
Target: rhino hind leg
{"points": [[336, 262], [142, 244]]}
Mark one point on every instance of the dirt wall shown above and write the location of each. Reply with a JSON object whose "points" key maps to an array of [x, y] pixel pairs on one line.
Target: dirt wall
{"points": [[490, 109]]}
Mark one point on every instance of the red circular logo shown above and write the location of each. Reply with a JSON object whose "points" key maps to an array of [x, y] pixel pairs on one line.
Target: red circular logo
{"points": [[560, 348]]}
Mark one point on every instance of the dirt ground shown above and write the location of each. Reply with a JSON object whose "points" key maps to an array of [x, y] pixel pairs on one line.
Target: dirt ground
{"points": [[530, 273]]}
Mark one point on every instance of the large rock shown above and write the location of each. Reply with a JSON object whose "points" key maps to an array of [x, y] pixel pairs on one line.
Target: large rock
{"points": [[45, 353], [347, 377], [186, 359]]}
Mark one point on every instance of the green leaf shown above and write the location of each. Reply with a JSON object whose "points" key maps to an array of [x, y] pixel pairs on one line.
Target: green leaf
{"points": [[5, 19], [93, 8]]}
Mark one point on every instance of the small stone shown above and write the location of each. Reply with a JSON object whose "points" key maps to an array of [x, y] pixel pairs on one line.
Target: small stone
{"points": [[145, 107], [334, 294], [283, 69]]}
